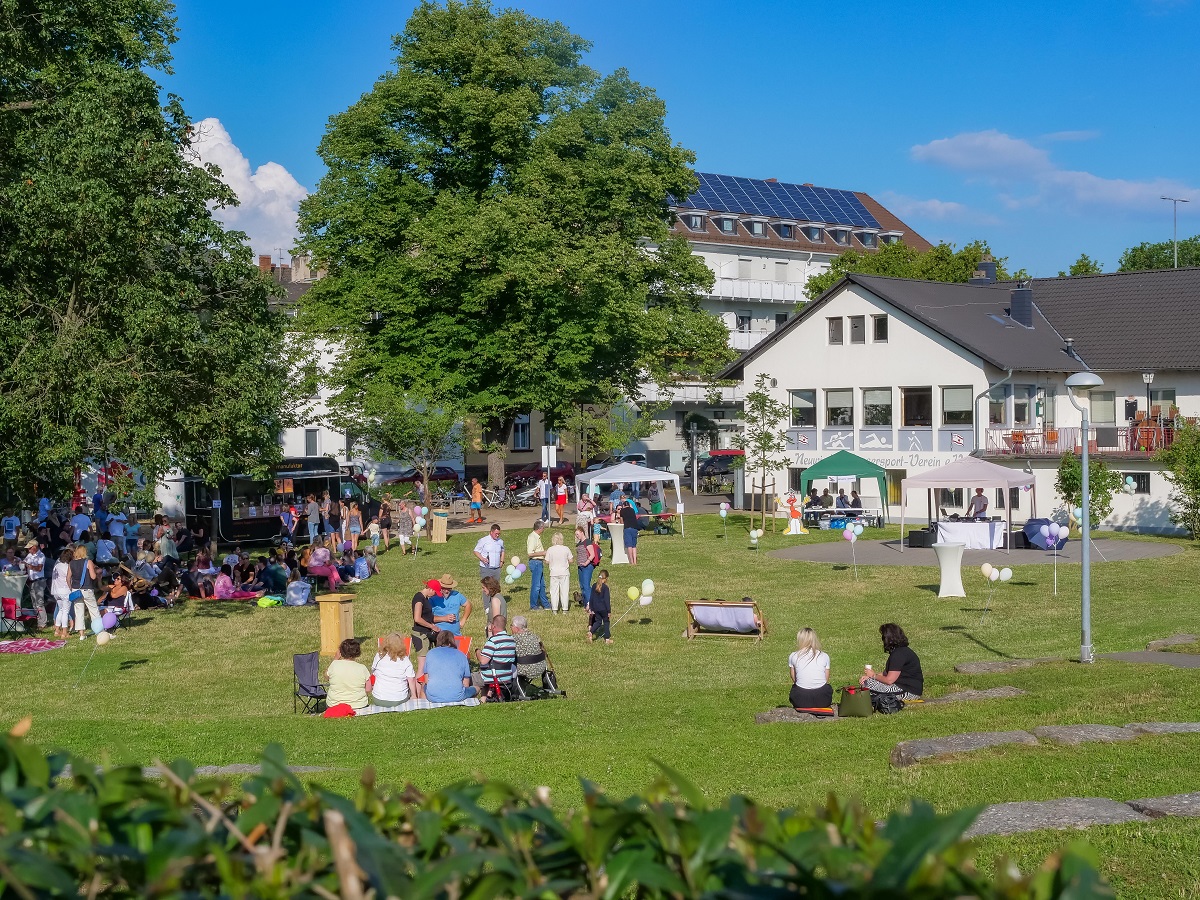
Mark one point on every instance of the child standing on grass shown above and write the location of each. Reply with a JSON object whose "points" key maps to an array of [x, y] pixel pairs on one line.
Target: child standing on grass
{"points": [[600, 606], [373, 530]]}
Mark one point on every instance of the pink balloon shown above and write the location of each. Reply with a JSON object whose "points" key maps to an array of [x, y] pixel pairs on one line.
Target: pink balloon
{"points": [[848, 533]]}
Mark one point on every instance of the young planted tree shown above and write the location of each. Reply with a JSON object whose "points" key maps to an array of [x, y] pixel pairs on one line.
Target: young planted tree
{"points": [[762, 437], [136, 326], [498, 214], [1182, 471], [1103, 484]]}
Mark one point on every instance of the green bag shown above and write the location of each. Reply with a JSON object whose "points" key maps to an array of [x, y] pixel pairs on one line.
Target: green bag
{"points": [[855, 703]]}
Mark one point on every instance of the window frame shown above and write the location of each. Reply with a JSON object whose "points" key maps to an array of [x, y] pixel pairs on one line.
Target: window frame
{"points": [[915, 390], [1110, 397], [780, 320], [792, 407], [1139, 478], [891, 417], [690, 218], [1024, 394], [830, 407], [756, 228], [312, 437], [861, 322], [743, 321], [844, 233], [876, 319], [815, 234], [840, 329], [786, 231], [1002, 400], [521, 437], [970, 410], [727, 225]]}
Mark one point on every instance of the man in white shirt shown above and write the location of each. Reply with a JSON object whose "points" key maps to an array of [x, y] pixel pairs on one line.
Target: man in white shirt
{"points": [[489, 550], [80, 522], [543, 494], [116, 530], [558, 560], [977, 505], [35, 567], [106, 551]]}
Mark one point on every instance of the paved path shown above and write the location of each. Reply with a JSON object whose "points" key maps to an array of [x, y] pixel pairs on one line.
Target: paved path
{"points": [[888, 553]]}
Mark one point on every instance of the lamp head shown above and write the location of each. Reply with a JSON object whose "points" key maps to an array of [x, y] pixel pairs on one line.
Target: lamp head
{"points": [[1148, 377], [1082, 382]]}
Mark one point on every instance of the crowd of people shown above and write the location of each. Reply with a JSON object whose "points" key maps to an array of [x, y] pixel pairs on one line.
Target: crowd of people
{"points": [[901, 677]]}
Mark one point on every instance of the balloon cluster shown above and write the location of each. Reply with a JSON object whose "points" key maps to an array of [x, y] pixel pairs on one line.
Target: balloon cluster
{"points": [[422, 512], [724, 510], [1129, 484], [1053, 531], [645, 595], [515, 570], [852, 532], [991, 573], [755, 534]]}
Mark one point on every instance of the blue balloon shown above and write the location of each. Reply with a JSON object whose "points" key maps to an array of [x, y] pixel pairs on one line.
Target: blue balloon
{"points": [[97, 626]]}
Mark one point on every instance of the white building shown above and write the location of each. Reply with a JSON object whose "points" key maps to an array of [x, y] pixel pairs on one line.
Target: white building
{"points": [[914, 374]]}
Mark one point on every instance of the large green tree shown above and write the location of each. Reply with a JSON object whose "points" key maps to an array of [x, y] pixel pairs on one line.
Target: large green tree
{"points": [[939, 263], [1160, 255], [495, 226], [135, 325], [1085, 265]]}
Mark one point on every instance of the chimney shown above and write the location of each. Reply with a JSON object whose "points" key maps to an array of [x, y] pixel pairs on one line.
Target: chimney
{"points": [[1021, 306], [264, 263], [986, 273]]}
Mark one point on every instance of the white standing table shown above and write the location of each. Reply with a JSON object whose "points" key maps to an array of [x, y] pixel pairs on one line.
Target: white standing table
{"points": [[950, 562]]}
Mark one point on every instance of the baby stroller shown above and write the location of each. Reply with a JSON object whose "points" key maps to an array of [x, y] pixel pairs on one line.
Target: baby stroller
{"points": [[524, 689]]}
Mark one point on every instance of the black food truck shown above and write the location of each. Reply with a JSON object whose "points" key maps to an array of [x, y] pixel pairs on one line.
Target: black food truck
{"points": [[246, 510]]}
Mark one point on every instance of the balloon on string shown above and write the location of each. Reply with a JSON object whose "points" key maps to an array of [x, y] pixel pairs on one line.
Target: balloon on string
{"points": [[986, 569], [645, 600], [1079, 513], [848, 533], [1006, 574], [724, 513], [103, 638], [853, 537], [724, 507], [511, 570], [1129, 480], [994, 575], [516, 560], [1044, 531], [632, 593], [1055, 528], [858, 529], [97, 626], [648, 588], [508, 579], [109, 620], [521, 569]]}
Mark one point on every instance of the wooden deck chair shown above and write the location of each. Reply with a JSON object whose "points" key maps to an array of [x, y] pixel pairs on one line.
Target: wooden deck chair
{"points": [[307, 690], [734, 618]]}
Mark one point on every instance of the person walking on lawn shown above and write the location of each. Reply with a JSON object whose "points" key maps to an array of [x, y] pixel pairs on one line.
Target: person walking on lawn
{"points": [[543, 494], [535, 553], [476, 501]]}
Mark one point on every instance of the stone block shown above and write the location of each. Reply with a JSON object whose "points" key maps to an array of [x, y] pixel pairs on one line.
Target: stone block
{"points": [[1173, 641], [1035, 815], [1165, 727], [1175, 805], [787, 714], [908, 753], [1083, 734], [996, 693], [1000, 666]]}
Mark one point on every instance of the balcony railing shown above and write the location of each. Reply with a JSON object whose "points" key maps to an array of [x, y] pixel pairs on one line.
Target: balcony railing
{"points": [[693, 393], [753, 289], [1128, 439], [744, 340]]}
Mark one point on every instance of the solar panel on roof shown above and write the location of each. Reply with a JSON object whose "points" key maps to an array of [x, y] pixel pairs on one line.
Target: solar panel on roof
{"points": [[753, 196]]}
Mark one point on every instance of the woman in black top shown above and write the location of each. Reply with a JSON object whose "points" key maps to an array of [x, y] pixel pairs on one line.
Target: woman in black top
{"points": [[902, 672], [600, 606]]}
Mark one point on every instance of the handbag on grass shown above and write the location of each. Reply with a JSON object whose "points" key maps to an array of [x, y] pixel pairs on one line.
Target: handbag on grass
{"points": [[855, 703]]}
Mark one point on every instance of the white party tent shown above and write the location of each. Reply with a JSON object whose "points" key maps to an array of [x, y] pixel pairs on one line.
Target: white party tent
{"points": [[968, 472], [623, 473]]}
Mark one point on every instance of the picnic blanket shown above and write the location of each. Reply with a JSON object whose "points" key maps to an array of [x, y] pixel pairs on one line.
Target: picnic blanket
{"points": [[411, 705], [30, 645]]}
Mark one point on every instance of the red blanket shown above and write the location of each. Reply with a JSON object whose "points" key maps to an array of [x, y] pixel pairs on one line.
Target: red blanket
{"points": [[30, 645]]}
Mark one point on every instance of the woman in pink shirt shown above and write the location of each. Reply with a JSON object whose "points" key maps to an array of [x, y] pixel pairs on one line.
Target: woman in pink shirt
{"points": [[320, 564], [223, 588]]}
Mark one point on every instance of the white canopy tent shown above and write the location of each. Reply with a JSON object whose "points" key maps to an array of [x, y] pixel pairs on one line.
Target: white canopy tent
{"points": [[969, 472], [623, 473]]}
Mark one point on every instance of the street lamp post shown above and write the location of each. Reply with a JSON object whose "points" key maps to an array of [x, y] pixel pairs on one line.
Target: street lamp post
{"points": [[1083, 383], [1148, 378], [695, 462], [1175, 201]]}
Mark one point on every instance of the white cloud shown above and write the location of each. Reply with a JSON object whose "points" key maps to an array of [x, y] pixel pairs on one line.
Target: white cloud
{"points": [[269, 195], [933, 209], [1025, 175]]}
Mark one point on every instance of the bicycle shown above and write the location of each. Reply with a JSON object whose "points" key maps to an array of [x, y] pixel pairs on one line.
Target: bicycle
{"points": [[495, 497]]}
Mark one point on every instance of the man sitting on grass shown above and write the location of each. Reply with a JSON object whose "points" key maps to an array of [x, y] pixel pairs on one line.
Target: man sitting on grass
{"points": [[496, 660]]}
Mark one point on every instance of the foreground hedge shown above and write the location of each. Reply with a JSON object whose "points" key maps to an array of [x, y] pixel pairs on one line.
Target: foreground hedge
{"points": [[116, 833]]}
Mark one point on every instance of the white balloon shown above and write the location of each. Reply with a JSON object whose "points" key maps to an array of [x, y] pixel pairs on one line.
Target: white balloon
{"points": [[853, 537], [648, 588], [995, 575], [103, 638], [986, 569], [645, 600], [1006, 574]]}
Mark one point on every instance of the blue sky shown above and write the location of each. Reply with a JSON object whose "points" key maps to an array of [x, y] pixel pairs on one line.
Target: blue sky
{"points": [[1046, 129]]}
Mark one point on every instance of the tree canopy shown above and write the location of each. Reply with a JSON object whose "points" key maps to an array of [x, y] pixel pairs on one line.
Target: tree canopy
{"points": [[1160, 255], [136, 326], [495, 226], [1085, 265], [939, 263]]}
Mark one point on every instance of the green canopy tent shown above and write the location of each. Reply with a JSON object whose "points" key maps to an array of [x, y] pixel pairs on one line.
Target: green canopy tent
{"points": [[845, 463]]}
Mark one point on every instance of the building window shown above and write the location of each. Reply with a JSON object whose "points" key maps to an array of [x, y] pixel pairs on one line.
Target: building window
{"points": [[695, 223], [1014, 498], [877, 407], [796, 480], [780, 319], [785, 231], [804, 408], [781, 271], [1164, 398], [1049, 402], [553, 438], [880, 325], [895, 478], [916, 406], [888, 238], [997, 414], [813, 233], [310, 442], [835, 330], [680, 416], [840, 236], [1023, 398], [742, 319], [1141, 481], [758, 229], [744, 268], [839, 407], [858, 329], [1104, 408], [951, 498], [520, 440], [867, 239], [957, 406], [727, 226]]}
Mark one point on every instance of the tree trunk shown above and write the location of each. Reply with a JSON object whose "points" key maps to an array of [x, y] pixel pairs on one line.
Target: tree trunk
{"points": [[497, 443]]}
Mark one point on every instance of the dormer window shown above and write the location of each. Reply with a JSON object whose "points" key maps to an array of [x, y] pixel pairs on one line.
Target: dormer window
{"points": [[727, 226], [694, 222], [757, 228], [840, 235], [889, 237], [866, 238], [785, 230], [813, 233]]}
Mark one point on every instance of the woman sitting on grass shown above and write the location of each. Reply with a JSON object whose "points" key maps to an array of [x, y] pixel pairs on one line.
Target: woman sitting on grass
{"points": [[395, 680], [320, 563], [298, 590], [223, 588], [348, 678], [810, 673], [902, 672], [447, 672]]}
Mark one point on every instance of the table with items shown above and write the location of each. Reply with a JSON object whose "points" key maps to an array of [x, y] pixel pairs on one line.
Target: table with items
{"points": [[974, 534]]}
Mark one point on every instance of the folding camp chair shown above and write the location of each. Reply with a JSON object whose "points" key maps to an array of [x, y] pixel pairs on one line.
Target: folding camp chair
{"points": [[734, 618], [307, 689]]}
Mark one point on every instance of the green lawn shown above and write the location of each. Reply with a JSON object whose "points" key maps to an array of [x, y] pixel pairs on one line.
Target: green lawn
{"points": [[212, 682]]}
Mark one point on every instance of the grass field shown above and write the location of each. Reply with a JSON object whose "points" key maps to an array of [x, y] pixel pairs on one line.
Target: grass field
{"points": [[212, 682]]}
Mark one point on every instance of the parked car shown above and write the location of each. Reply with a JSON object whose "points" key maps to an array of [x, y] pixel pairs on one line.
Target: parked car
{"points": [[601, 464], [439, 473], [531, 473], [720, 462], [639, 458]]}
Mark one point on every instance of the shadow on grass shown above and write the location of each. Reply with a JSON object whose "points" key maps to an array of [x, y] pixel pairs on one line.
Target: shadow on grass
{"points": [[932, 588], [962, 632], [132, 664], [216, 610]]}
